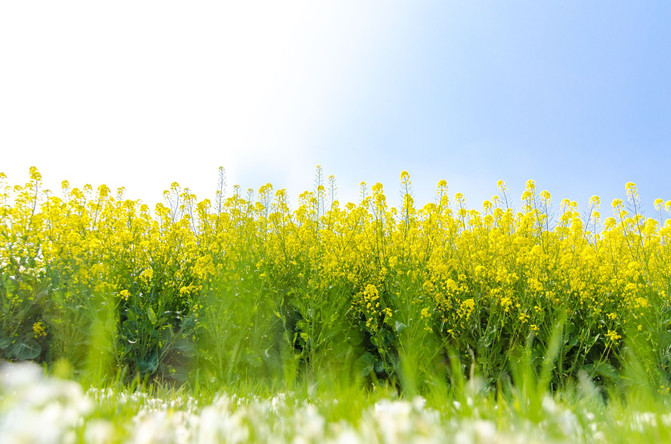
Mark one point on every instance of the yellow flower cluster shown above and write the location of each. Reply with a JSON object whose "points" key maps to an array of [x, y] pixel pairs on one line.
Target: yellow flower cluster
{"points": [[39, 330], [368, 303]]}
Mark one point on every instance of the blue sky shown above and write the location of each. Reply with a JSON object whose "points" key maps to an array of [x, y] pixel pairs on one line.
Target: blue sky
{"points": [[575, 95]]}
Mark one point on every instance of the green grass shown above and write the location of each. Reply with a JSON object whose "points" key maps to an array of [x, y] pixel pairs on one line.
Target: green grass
{"points": [[464, 410]]}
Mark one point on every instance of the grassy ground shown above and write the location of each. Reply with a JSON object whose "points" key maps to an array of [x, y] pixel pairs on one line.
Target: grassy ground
{"points": [[36, 408]]}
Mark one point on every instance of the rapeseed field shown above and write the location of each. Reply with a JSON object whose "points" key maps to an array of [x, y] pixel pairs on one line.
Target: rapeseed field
{"points": [[519, 320]]}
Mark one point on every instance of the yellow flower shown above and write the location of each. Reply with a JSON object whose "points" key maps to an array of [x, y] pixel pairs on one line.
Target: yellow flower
{"points": [[35, 174], [39, 330], [428, 287], [466, 308], [613, 336], [124, 294], [642, 303], [147, 275], [506, 303], [632, 192]]}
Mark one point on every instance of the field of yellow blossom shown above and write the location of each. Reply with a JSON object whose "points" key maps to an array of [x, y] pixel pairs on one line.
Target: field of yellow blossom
{"points": [[245, 291]]}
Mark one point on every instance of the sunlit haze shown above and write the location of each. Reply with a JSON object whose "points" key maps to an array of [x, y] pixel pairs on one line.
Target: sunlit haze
{"points": [[573, 95]]}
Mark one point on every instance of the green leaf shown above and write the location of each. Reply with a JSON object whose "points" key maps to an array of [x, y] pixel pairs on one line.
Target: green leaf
{"points": [[25, 350], [365, 365], [572, 342], [149, 365], [399, 327], [4, 343], [186, 347], [602, 369], [606, 370], [356, 338], [151, 315]]}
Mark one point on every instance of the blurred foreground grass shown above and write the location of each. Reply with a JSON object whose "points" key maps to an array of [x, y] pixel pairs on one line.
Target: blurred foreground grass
{"points": [[35, 408]]}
